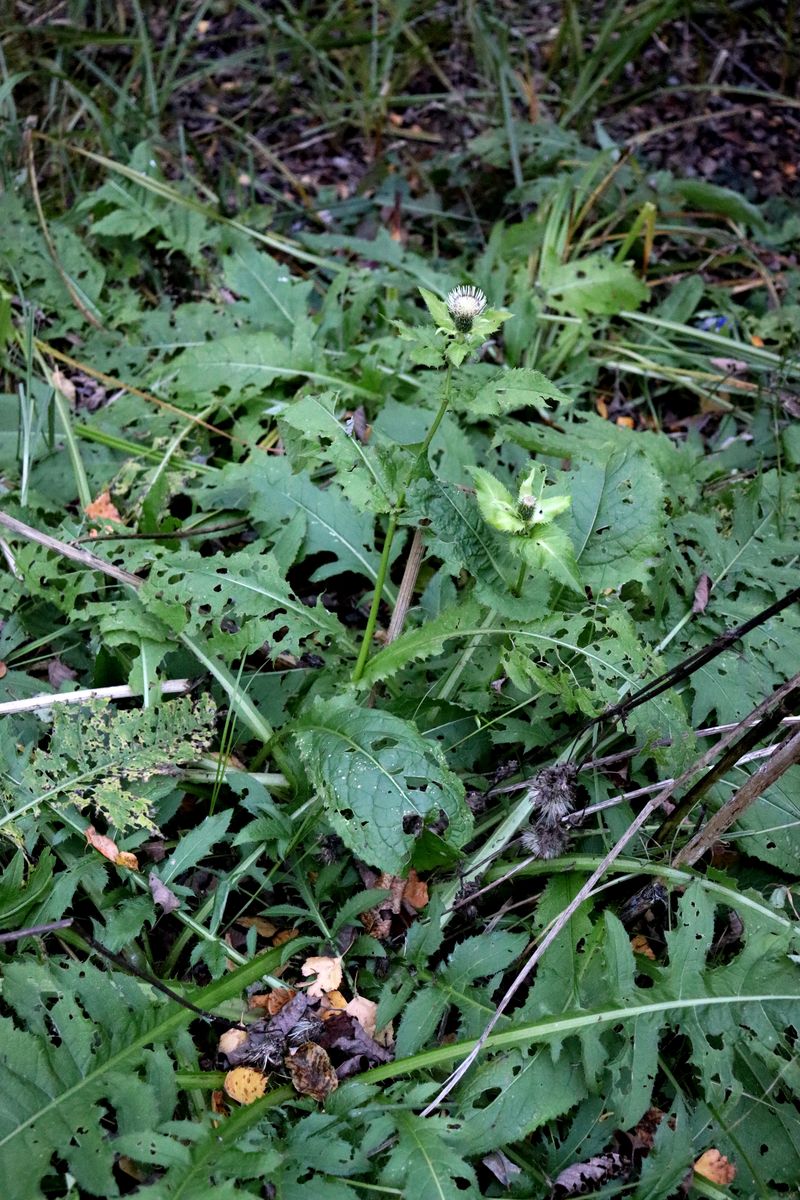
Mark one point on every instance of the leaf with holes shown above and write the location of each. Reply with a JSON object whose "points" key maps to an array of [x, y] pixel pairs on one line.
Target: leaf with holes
{"points": [[381, 782]]}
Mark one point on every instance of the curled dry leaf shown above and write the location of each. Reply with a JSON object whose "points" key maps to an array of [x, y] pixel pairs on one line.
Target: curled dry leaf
{"points": [[245, 1084], [108, 848], [278, 998], [162, 895], [64, 385], [328, 972], [311, 1071], [715, 1167], [364, 1012], [230, 1039]]}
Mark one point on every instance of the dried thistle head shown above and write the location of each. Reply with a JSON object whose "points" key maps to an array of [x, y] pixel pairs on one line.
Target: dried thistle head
{"points": [[545, 841], [552, 792]]}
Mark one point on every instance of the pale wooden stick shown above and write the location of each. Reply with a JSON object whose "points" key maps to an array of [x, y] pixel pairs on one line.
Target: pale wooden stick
{"points": [[119, 692], [74, 552], [784, 756], [407, 585]]}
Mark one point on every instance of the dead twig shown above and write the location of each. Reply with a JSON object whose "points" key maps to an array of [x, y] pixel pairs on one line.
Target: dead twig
{"points": [[121, 691], [785, 755], [588, 888]]}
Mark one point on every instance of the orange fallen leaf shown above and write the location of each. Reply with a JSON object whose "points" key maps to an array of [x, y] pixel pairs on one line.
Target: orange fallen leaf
{"points": [[640, 945], [284, 936], [335, 999], [102, 509], [127, 860], [262, 926], [415, 892], [278, 998], [3, 669], [108, 848], [625, 422], [328, 972], [601, 407], [245, 1084], [755, 340], [715, 1167]]}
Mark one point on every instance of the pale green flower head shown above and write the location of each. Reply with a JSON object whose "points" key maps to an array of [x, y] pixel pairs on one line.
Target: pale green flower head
{"points": [[495, 503], [532, 505]]}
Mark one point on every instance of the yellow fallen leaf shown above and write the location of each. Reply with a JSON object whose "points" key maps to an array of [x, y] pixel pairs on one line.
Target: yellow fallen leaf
{"points": [[127, 860], [108, 848], [715, 1167], [328, 972], [245, 1084], [336, 1000]]}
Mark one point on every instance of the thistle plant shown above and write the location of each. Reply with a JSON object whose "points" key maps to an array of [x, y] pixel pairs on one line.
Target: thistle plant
{"points": [[463, 324], [534, 537]]}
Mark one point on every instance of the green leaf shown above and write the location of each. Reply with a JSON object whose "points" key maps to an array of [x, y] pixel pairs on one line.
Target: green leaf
{"points": [[236, 603], [438, 309], [617, 519], [380, 781], [119, 762], [423, 1163], [593, 284], [79, 1050], [698, 193], [519, 388], [551, 551]]}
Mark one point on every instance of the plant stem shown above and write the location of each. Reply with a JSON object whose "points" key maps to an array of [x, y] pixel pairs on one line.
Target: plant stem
{"points": [[383, 566], [518, 586]]}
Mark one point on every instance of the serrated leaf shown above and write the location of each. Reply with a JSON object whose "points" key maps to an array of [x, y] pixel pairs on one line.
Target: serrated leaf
{"points": [[594, 284], [235, 602], [119, 762], [521, 387], [424, 642], [423, 1163], [367, 473], [379, 780]]}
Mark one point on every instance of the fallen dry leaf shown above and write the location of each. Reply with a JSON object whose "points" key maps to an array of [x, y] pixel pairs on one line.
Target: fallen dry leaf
{"points": [[64, 385], [163, 897], [108, 848], [328, 972], [701, 594], [364, 1012], [311, 1071], [262, 926], [415, 892], [715, 1167], [230, 1039], [102, 509], [640, 945], [333, 999], [278, 998], [245, 1084], [284, 936]]}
